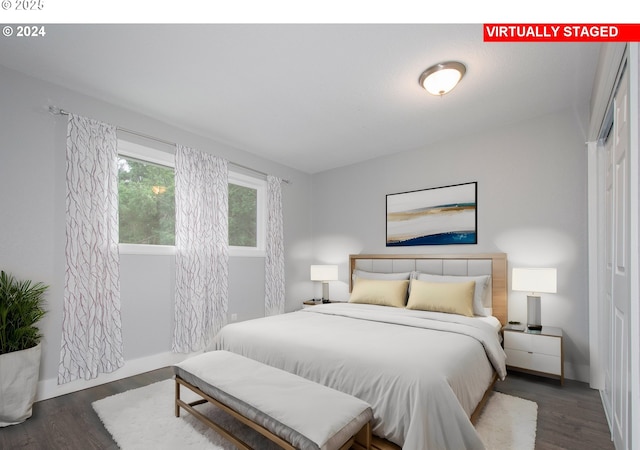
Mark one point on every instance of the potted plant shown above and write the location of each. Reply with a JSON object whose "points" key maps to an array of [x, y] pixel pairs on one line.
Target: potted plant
{"points": [[21, 307]]}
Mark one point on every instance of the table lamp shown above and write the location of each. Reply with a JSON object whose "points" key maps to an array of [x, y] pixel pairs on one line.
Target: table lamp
{"points": [[534, 281], [324, 273]]}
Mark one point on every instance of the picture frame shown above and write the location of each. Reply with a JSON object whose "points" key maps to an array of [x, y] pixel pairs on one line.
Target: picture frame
{"points": [[446, 215]]}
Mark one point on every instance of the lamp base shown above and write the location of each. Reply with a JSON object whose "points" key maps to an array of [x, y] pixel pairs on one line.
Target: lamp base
{"points": [[325, 291], [533, 312]]}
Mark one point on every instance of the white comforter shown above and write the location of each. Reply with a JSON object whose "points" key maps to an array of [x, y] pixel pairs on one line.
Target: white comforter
{"points": [[423, 373]]}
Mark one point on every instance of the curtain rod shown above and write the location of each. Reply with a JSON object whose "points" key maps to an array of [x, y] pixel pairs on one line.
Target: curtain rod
{"points": [[54, 110]]}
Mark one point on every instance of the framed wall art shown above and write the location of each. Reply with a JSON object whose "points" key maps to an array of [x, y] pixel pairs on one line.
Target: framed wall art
{"points": [[444, 215]]}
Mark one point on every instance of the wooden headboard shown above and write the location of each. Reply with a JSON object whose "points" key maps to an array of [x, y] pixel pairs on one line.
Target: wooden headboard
{"points": [[494, 264]]}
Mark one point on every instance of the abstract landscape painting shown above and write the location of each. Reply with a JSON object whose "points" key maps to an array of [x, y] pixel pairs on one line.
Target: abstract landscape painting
{"points": [[437, 216]]}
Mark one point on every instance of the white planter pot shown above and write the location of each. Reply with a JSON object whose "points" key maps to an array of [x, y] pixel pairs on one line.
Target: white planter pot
{"points": [[19, 373]]}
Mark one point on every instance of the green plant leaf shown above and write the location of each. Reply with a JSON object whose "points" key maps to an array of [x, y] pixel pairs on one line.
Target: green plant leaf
{"points": [[21, 307]]}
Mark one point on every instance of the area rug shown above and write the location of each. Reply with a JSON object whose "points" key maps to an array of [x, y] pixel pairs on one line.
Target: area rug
{"points": [[143, 418]]}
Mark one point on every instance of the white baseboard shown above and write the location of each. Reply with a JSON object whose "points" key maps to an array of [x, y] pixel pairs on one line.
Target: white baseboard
{"points": [[606, 412], [49, 388]]}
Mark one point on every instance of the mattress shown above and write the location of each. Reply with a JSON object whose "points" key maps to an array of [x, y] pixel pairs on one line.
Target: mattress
{"points": [[423, 373]]}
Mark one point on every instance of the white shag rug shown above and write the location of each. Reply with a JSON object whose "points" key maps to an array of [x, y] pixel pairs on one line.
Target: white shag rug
{"points": [[144, 418]]}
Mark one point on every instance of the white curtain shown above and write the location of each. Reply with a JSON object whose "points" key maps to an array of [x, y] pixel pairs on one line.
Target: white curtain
{"points": [[274, 260], [91, 324], [202, 248]]}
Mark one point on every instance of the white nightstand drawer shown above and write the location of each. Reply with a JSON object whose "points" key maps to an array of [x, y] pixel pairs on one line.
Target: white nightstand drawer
{"points": [[548, 345], [517, 341], [547, 364], [518, 358], [534, 361]]}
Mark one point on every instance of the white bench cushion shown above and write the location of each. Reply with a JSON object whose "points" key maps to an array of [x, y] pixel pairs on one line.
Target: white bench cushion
{"points": [[305, 414]]}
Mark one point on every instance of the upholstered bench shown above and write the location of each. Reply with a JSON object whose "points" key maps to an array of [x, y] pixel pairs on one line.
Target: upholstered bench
{"points": [[289, 410]]}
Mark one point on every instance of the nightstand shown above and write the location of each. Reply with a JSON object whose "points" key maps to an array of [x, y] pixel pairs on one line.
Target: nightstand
{"points": [[537, 352], [309, 303]]}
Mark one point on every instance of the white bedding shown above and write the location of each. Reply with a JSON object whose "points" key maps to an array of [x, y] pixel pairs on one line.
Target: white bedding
{"points": [[423, 373], [493, 321]]}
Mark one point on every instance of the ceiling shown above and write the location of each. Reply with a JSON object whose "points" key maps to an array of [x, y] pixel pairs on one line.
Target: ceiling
{"points": [[312, 97]]}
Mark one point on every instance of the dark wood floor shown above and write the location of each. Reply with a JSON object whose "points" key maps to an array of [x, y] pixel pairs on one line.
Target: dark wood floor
{"points": [[69, 422], [569, 417]]}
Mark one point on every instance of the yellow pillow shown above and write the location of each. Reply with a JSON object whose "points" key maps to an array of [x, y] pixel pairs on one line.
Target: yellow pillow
{"points": [[455, 298], [380, 292]]}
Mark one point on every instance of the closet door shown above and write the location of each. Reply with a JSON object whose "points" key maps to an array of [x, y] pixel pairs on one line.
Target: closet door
{"points": [[620, 271], [614, 232]]}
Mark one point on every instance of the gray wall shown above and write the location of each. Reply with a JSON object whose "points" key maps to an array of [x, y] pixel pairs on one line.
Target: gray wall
{"points": [[32, 229], [532, 205]]}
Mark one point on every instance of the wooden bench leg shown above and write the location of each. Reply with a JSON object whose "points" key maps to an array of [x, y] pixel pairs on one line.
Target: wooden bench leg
{"points": [[189, 407], [363, 438], [177, 399]]}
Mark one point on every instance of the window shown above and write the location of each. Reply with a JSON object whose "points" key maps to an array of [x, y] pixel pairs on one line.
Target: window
{"points": [[246, 215], [147, 207], [146, 188]]}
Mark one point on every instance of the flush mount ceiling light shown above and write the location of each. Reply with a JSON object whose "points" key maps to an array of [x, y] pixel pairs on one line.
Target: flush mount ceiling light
{"points": [[441, 78]]}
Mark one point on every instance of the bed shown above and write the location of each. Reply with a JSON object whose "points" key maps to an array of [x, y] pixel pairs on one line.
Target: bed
{"points": [[426, 373]]}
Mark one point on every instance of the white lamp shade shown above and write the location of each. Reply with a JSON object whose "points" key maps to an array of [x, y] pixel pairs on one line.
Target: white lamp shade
{"points": [[534, 280], [442, 77], [439, 83], [324, 272]]}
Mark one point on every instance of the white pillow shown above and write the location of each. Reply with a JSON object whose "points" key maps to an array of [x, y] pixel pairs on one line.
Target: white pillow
{"points": [[482, 283], [357, 273]]}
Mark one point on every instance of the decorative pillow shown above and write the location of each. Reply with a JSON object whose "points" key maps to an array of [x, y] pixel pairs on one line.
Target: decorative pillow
{"points": [[454, 298], [380, 292], [480, 292]]}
